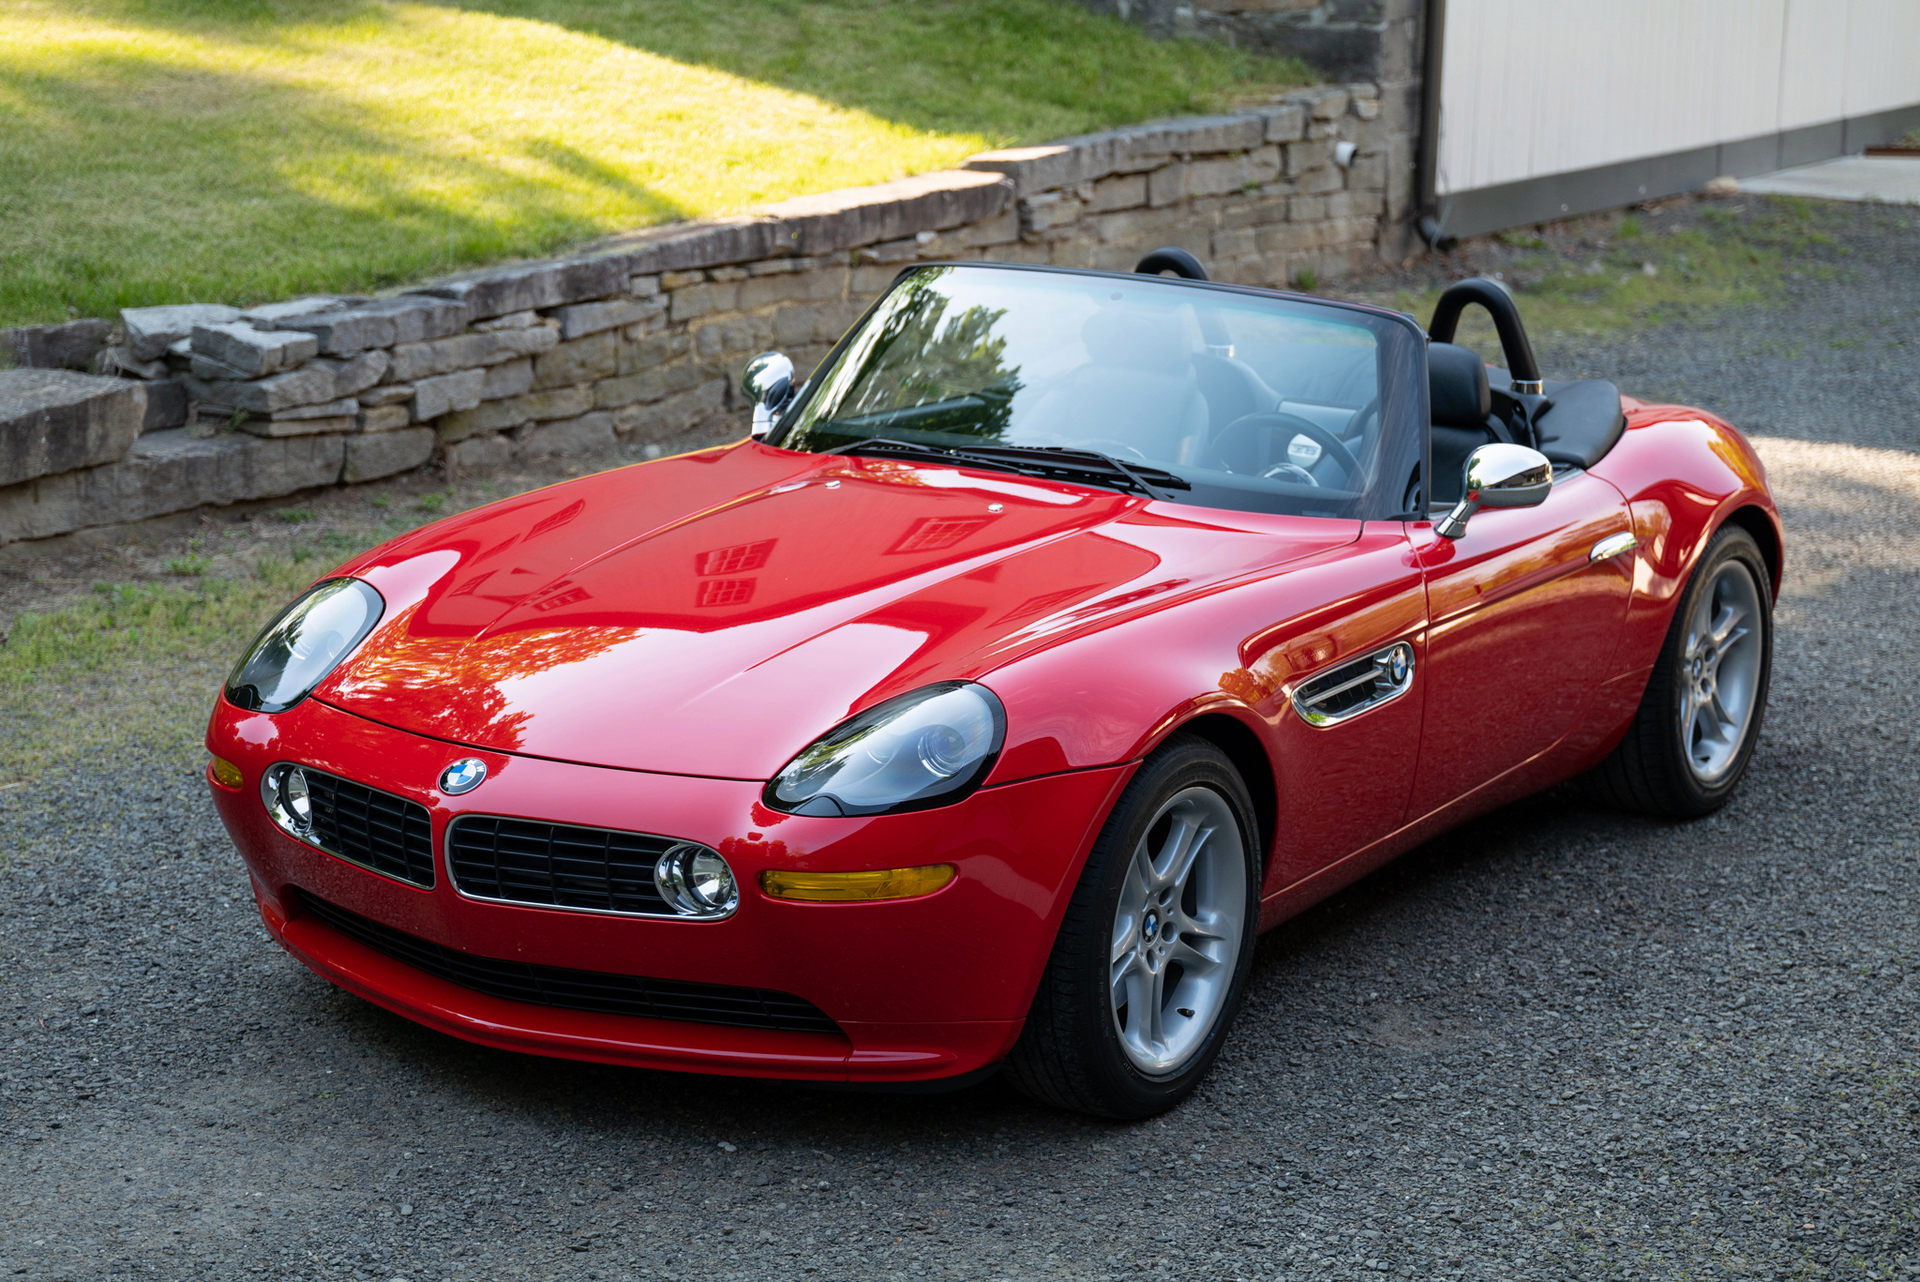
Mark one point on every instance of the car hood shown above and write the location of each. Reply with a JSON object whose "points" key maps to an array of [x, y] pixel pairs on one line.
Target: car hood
{"points": [[714, 613]]}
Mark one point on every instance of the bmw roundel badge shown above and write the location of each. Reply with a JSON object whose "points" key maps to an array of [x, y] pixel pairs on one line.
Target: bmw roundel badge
{"points": [[463, 775], [1399, 665]]}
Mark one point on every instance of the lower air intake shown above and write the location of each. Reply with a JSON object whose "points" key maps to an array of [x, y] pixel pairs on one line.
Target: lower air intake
{"points": [[586, 990]]}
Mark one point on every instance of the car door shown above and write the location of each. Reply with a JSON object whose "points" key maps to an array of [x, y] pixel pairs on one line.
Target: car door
{"points": [[1523, 625], [1339, 680]]}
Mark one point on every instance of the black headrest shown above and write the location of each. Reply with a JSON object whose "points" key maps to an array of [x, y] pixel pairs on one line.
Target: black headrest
{"points": [[1457, 385]]}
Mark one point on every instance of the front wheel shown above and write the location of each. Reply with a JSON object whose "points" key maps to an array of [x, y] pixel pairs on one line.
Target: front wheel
{"points": [[1698, 721], [1152, 959]]}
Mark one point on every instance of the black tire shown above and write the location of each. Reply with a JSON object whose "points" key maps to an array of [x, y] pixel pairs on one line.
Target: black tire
{"points": [[1070, 1055], [1649, 772]]}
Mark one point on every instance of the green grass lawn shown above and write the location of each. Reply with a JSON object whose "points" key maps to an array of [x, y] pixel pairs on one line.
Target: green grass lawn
{"points": [[239, 150], [1645, 275]]}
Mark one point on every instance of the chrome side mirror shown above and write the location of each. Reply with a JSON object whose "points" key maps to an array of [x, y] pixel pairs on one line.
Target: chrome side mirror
{"points": [[768, 384], [1498, 476]]}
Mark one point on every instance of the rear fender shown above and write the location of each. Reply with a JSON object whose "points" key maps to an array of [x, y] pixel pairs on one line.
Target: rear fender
{"points": [[1684, 474]]}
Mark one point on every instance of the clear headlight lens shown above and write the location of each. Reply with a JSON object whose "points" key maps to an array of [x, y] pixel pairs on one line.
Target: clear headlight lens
{"points": [[926, 748], [303, 645]]}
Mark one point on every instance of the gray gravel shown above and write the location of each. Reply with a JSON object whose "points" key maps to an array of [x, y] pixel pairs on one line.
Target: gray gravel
{"points": [[1561, 1043]]}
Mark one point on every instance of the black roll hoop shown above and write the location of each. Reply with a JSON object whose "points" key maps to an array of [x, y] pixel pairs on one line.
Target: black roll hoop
{"points": [[1506, 322], [1171, 258]]}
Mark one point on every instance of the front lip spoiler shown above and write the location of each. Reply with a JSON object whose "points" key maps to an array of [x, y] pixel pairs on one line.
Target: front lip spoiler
{"points": [[642, 1043]]}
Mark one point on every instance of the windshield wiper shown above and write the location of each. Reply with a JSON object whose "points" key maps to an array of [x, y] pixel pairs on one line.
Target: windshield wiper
{"points": [[1078, 464], [1047, 462]]}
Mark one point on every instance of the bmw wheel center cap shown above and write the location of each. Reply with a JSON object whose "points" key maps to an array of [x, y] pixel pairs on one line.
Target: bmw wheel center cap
{"points": [[463, 775]]}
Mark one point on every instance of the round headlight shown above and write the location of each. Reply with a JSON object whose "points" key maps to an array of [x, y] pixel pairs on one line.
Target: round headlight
{"points": [[289, 801], [926, 748], [696, 881], [296, 799], [299, 649]]}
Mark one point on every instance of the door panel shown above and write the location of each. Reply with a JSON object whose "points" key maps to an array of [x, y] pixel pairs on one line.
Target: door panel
{"points": [[1344, 785], [1523, 629]]}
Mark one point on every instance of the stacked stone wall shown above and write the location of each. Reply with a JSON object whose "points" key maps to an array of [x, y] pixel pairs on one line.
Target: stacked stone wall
{"points": [[638, 341]]}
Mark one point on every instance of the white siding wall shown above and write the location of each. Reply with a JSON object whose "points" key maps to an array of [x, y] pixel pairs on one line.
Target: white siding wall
{"points": [[1537, 87]]}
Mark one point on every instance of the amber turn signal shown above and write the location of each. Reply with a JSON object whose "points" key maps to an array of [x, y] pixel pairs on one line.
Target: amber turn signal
{"points": [[853, 887], [225, 773]]}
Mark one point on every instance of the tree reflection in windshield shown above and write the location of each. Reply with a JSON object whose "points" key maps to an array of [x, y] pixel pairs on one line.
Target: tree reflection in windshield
{"points": [[937, 372]]}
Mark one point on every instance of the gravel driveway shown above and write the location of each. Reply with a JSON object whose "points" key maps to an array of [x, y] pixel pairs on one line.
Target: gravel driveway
{"points": [[1559, 1044]]}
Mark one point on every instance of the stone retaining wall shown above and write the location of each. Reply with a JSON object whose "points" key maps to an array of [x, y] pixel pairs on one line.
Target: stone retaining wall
{"points": [[638, 341]]}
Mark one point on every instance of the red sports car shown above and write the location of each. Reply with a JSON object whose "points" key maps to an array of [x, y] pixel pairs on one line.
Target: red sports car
{"points": [[1063, 631]]}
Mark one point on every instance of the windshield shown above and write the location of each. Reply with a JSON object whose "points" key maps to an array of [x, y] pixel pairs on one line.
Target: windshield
{"points": [[1200, 395]]}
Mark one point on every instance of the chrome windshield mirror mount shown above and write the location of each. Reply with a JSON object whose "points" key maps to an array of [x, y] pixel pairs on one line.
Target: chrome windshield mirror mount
{"points": [[1499, 475], [768, 385]]}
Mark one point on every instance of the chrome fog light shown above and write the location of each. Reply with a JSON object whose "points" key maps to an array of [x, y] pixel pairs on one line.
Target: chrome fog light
{"points": [[283, 790], [696, 882]]}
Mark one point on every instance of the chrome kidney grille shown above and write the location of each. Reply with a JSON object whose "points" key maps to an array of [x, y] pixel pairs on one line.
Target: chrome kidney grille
{"points": [[1353, 688]]}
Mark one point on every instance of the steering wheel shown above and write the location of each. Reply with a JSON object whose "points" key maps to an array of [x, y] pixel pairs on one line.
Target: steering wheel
{"points": [[1273, 422]]}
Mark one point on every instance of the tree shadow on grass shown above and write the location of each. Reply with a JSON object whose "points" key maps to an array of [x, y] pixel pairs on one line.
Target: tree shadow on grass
{"points": [[309, 192], [1005, 70], [242, 149]]}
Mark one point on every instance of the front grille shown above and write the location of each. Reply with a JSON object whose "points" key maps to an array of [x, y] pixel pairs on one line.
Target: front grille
{"points": [[587, 990], [556, 865], [375, 829]]}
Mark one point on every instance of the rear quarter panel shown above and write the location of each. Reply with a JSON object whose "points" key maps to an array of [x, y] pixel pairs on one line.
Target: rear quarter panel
{"points": [[1684, 473]]}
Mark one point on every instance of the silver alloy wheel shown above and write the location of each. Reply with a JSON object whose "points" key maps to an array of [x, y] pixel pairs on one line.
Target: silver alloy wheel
{"points": [[1177, 930], [1720, 666]]}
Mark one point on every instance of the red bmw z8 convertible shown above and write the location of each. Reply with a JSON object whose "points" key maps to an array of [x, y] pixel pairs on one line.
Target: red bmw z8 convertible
{"points": [[1061, 632]]}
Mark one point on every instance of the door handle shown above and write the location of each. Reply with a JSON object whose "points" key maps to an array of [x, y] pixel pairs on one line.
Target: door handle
{"points": [[1613, 545]]}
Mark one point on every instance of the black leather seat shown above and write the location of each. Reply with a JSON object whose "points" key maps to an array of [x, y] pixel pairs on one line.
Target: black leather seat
{"points": [[1461, 403], [1581, 422]]}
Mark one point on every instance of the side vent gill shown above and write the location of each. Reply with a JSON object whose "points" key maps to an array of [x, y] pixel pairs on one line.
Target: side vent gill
{"points": [[1353, 688]]}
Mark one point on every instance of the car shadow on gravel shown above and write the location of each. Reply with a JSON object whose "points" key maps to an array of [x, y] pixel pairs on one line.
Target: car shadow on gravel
{"points": [[619, 1104]]}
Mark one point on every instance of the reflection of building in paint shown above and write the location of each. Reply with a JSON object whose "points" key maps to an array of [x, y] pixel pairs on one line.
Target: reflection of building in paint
{"points": [[714, 593], [934, 533], [719, 592], [738, 559], [561, 593]]}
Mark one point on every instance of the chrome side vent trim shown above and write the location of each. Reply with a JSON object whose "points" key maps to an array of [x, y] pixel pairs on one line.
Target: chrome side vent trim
{"points": [[1355, 687]]}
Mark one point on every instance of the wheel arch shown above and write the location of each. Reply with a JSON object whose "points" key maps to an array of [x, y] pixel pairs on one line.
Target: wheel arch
{"points": [[1251, 760], [1756, 521]]}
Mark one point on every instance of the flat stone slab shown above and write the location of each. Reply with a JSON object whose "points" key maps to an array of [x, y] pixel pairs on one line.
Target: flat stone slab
{"points": [[253, 351], [1886, 180], [71, 345], [56, 420], [151, 330], [836, 220], [170, 471]]}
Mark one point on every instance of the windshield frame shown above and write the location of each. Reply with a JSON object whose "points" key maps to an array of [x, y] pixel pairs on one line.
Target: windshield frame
{"points": [[1404, 408]]}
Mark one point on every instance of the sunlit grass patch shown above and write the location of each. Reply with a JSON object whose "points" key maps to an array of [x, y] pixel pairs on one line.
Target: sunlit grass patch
{"points": [[239, 150]]}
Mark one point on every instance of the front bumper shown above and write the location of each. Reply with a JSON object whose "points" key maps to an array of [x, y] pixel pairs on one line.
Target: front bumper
{"points": [[919, 988]]}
